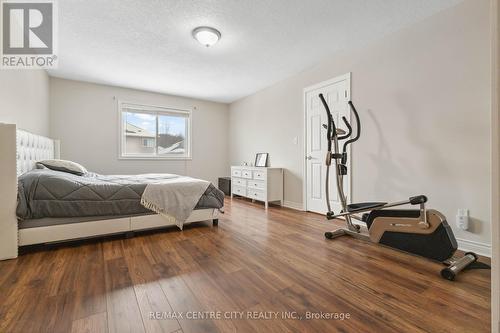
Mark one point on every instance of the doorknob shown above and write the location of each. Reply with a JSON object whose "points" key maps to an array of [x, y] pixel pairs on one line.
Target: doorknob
{"points": [[309, 157]]}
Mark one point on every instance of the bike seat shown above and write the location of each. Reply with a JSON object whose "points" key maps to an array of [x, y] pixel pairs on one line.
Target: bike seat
{"points": [[364, 205]]}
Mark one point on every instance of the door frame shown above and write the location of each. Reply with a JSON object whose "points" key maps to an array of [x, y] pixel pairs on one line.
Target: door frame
{"points": [[495, 165], [319, 85]]}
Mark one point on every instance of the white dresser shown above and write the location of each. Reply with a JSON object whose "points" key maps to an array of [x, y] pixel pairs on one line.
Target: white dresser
{"points": [[257, 183]]}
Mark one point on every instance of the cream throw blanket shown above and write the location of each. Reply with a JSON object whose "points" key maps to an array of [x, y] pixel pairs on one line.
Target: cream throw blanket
{"points": [[174, 198]]}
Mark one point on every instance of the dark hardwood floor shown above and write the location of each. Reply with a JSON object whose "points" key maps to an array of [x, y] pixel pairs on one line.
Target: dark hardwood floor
{"points": [[255, 262]]}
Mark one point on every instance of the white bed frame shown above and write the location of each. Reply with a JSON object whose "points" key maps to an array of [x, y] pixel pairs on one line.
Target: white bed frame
{"points": [[19, 151]]}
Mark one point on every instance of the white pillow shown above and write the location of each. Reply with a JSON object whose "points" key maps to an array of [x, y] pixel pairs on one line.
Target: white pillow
{"points": [[64, 166]]}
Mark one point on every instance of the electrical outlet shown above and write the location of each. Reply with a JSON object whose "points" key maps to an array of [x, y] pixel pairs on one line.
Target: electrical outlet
{"points": [[462, 219]]}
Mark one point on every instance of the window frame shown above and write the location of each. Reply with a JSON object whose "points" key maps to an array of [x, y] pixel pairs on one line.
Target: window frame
{"points": [[155, 110]]}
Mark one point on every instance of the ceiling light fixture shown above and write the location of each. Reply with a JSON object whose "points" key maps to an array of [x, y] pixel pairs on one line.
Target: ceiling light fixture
{"points": [[206, 35]]}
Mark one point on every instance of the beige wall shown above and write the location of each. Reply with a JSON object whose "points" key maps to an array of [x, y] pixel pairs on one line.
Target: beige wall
{"points": [[84, 117], [424, 98], [24, 99]]}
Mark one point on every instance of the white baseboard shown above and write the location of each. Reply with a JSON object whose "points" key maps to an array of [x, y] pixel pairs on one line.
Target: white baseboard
{"points": [[293, 205], [476, 247]]}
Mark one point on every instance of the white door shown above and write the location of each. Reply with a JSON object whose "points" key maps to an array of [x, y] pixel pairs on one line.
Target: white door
{"points": [[336, 93]]}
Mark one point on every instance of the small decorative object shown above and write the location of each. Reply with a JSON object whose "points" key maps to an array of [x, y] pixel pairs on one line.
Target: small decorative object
{"points": [[261, 159], [244, 163]]}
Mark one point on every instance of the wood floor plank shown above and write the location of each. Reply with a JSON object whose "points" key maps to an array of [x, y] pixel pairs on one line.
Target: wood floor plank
{"points": [[182, 300], [254, 262], [90, 288], [59, 309], [96, 323], [122, 308], [112, 249], [150, 296]]}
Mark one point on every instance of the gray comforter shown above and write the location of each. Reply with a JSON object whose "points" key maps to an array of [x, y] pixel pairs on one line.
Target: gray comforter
{"points": [[48, 193]]}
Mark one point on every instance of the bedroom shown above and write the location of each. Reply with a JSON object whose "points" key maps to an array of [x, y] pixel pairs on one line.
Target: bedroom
{"points": [[236, 241]]}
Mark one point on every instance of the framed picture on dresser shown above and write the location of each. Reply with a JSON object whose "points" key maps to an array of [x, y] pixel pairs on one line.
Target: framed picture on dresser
{"points": [[261, 159]]}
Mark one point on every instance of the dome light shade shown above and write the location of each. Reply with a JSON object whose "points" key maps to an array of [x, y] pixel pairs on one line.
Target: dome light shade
{"points": [[206, 35]]}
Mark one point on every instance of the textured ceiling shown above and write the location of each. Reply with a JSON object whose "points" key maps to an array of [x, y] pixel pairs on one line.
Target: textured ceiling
{"points": [[148, 45]]}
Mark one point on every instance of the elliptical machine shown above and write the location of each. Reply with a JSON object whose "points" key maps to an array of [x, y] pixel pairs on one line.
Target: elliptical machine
{"points": [[421, 231]]}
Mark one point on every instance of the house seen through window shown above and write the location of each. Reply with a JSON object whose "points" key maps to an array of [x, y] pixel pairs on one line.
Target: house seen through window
{"points": [[154, 132]]}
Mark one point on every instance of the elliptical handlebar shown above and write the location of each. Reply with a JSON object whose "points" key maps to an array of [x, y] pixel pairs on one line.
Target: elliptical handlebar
{"points": [[331, 128], [331, 131], [349, 129], [358, 128]]}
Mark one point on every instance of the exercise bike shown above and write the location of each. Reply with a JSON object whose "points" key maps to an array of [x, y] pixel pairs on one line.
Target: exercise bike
{"points": [[424, 232]]}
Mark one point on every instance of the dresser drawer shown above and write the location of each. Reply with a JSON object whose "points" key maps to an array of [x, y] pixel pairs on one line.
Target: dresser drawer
{"points": [[246, 174], [259, 175], [236, 173], [239, 190], [239, 182], [256, 194], [258, 184]]}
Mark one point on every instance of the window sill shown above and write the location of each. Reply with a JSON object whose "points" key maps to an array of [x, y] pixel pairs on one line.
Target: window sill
{"points": [[156, 158]]}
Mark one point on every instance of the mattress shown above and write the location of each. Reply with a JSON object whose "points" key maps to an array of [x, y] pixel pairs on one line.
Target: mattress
{"points": [[44, 193]]}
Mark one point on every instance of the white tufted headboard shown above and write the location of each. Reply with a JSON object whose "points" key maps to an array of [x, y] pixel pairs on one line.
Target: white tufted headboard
{"points": [[31, 148], [19, 151]]}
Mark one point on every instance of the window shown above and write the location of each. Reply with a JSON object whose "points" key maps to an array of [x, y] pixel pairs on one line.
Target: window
{"points": [[154, 132], [148, 143]]}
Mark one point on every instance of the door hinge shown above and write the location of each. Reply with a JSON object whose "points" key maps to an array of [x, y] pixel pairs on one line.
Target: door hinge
{"points": [[345, 93]]}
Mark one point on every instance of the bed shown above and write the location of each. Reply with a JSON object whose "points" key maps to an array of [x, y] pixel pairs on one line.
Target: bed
{"points": [[44, 205]]}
